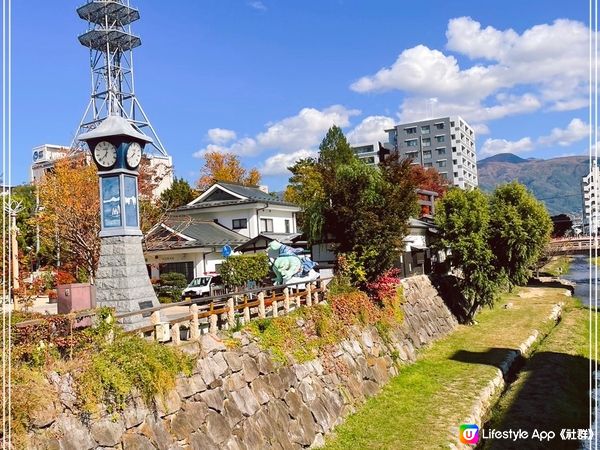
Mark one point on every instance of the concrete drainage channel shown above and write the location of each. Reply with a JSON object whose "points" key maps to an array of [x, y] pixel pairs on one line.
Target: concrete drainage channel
{"points": [[496, 386]]}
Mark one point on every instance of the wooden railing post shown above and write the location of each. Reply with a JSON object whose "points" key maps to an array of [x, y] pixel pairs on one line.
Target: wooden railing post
{"points": [[318, 289], [308, 294], [230, 313], [286, 300], [176, 334], [194, 323], [155, 320], [298, 297], [274, 305], [246, 311], [212, 319], [261, 305]]}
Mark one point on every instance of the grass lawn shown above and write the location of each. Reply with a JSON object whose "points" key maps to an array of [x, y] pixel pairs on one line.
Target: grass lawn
{"points": [[551, 392], [557, 265], [420, 408]]}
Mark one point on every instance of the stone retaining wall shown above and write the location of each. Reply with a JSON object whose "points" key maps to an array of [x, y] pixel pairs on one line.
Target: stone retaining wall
{"points": [[240, 399]]}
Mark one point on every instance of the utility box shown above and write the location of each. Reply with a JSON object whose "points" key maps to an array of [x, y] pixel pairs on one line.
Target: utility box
{"points": [[75, 297]]}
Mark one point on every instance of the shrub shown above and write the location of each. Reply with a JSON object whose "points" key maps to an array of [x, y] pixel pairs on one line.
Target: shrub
{"points": [[171, 286], [238, 270], [387, 293], [130, 363], [64, 278]]}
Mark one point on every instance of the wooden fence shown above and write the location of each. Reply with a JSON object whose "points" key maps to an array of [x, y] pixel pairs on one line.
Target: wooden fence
{"points": [[209, 314]]}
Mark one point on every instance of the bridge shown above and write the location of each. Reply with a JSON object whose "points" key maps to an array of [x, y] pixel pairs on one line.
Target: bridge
{"points": [[573, 246]]}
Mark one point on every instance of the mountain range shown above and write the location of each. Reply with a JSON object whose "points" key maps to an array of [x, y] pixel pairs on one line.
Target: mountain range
{"points": [[555, 181]]}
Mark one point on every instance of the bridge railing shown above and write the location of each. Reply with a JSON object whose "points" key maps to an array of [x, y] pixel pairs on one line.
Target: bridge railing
{"points": [[210, 314]]}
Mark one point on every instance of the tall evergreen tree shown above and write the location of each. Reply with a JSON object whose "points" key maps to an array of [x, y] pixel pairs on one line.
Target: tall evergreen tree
{"points": [[363, 208]]}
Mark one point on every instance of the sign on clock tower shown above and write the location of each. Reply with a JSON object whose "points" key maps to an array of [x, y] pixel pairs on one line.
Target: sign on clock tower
{"points": [[122, 280]]}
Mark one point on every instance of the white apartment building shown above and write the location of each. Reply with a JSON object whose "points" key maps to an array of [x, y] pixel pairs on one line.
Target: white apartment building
{"points": [[447, 144], [590, 190]]}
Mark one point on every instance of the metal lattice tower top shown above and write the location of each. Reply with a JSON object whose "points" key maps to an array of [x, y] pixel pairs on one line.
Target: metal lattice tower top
{"points": [[111, 45]]}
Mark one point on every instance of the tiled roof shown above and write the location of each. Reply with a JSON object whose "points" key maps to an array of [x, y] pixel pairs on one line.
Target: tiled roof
{"points": [[252, 193], [201, 233]]}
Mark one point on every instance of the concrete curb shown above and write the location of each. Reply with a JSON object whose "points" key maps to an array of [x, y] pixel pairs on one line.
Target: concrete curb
{"points": [[483, 403]]}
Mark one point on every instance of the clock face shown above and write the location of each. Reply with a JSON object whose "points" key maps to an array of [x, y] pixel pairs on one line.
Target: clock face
{"points": [[134, 155], [105, 154]]}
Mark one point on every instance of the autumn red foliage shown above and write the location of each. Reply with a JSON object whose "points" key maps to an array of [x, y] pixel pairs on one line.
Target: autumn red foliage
{"points": [[429, 179]]}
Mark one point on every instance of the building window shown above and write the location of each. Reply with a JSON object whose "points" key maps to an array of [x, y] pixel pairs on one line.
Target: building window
{"points": [[368, 160], [444, 175], [425, 129], [428, 165], [441, 163], [411, 143], [364, 149], [441, 151], [238, 224], [440, 138], [451, 124], [455, 174], [287, 225], [427, 154], [411, 130], [411, 154], [453, 149], [439, 126], [426, 142], [266, 225]]}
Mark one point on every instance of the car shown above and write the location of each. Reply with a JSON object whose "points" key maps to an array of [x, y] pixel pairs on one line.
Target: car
{"points": [[203, 286]]}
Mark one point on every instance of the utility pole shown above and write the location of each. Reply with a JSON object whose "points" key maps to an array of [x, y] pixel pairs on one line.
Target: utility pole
{"points": [[13, 209]]}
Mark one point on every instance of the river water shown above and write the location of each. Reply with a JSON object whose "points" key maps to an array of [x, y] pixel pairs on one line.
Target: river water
{"points": [[579, 272]]}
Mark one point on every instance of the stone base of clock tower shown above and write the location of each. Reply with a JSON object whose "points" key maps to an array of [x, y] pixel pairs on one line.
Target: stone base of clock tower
{"points": [[122, 280]]}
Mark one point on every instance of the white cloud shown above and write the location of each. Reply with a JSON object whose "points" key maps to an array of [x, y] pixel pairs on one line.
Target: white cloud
{"points": [[467, 37], [371, 130], [278, 164], [495, 146], [480, 128], [258, 5], [575, 131], [417, 108], [304, 130], [421, 70], [220, 135], [549, 61]]}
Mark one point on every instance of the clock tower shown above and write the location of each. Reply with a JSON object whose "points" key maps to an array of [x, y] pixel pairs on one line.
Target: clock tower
{"points": [[122, 280]]}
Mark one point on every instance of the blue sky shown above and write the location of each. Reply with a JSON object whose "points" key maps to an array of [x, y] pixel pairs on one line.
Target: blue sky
{"points": [[267, 78]]}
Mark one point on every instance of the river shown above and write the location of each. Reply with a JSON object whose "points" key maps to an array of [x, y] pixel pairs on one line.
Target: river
{"points": [[579, 272]]}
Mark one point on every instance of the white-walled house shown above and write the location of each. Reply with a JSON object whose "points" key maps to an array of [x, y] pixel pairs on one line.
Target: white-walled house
{"points": [[246, 210], [191, 240], [189, 246]]}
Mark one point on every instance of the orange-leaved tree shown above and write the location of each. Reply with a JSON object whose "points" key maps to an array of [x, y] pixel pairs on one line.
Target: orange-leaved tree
{"points": [[69, 217], [149, 178], [225, 167], [428, 179]]}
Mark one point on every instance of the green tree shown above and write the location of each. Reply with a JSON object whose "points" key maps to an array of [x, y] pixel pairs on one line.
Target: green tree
{"points": [[237, 270], [180, 193], [520, 230], [24, 194], [463, 219], [363, 208]]}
